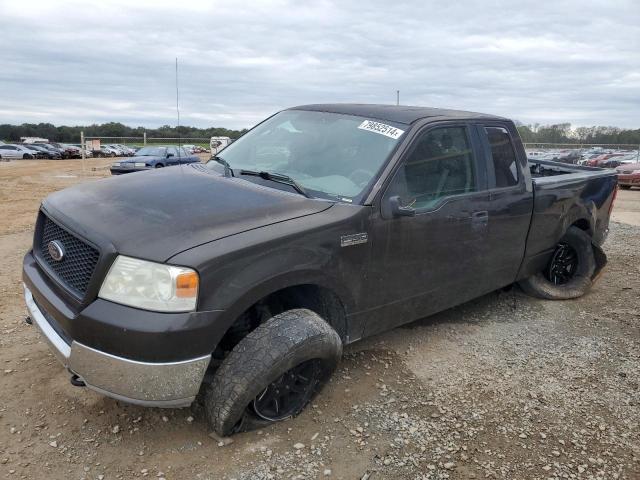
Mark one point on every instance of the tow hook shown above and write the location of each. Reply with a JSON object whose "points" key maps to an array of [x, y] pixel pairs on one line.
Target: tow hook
{"points": [[28, 320], [76, 381]]}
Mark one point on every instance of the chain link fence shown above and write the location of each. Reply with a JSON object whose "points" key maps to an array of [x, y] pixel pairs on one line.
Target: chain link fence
{"points": [[582, 146], [113, 146]]}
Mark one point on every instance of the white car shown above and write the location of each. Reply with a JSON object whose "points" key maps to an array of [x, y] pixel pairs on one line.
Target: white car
{"points": [[16, 151], [126, 151], [117, 149]]}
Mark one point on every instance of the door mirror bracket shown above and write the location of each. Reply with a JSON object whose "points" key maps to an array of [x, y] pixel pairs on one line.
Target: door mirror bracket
{"points": [[398, 210]]}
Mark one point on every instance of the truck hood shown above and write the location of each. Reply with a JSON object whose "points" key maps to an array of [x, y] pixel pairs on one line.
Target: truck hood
{"points": [[156, 214]]}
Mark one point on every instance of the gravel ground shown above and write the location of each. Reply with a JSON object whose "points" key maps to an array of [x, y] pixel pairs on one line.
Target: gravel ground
{"points": [[503, 387]]}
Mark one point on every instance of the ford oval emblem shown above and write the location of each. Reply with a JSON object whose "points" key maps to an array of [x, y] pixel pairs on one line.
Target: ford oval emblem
{"points": [[56, 250]]}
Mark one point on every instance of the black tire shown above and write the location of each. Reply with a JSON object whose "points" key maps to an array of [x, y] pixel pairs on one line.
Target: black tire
{"points": [[159, 165], [625, 187], [579, 281], [266, 357]]}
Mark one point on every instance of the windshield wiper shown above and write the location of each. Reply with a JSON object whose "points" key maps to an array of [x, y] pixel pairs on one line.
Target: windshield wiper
{"points": [[279, 178], [227, 168]]}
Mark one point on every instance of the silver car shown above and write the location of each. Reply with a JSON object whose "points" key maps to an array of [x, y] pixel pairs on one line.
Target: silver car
{"points": [[16, 151]]}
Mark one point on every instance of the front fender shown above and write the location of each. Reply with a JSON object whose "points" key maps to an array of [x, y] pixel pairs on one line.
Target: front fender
{"points": [[239, 270]]}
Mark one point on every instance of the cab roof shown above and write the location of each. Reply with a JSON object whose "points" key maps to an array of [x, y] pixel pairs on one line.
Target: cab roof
{"points": [[395, 113]]}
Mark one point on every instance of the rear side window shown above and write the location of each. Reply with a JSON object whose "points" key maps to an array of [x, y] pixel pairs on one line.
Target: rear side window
{"points": [[503, 156]]}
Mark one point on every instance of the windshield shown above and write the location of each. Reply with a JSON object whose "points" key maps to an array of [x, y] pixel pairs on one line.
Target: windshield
{"points": [[330, 155], [152, 152]]}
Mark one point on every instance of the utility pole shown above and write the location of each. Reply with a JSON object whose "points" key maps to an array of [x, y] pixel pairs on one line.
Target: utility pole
{"points": [[397, 97], [82, 150]]}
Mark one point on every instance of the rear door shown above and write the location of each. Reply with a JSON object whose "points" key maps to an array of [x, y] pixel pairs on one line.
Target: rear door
{"points": [[510, 202], [435, 259]]}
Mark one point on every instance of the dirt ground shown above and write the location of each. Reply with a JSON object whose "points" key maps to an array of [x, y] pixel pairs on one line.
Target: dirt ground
{"points": [[503, 387]]}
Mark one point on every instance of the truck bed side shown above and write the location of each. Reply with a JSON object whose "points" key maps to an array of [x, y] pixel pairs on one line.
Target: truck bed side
{"points": [[566, 195]]}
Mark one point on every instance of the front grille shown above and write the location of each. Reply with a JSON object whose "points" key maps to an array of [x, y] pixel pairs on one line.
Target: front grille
{"points": [[79, 260]]}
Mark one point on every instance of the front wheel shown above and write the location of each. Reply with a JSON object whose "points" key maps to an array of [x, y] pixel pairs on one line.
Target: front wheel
{"points": [[625, 187], [569, 272], [272, 373]]}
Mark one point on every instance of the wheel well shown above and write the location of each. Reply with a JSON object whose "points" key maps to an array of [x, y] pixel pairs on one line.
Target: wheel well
{"points": [[314, 297], [582, 224]]}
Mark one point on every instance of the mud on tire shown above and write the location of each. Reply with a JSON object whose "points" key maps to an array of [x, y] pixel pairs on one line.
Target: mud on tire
{"points": [[541, 286], [261, 359]]}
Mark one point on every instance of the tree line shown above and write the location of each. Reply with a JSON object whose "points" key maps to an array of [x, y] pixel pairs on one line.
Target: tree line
{"points": [[536, 133], [563, 133], [66, 134]]}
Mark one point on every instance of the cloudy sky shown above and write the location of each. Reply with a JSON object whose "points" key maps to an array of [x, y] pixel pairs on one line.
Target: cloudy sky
{"points": [[72, 63]]}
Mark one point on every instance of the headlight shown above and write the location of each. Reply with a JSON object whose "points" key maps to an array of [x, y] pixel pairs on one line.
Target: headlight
{"points": [[117, 164], [139, 164], [150, 286]]}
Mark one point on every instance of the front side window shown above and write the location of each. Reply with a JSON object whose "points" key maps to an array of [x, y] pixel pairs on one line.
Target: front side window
{"points": [[330, 155], [503, 157], [440, 165]]}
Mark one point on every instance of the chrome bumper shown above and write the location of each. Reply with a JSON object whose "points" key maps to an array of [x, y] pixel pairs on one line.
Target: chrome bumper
{"points": [[173, 384]]}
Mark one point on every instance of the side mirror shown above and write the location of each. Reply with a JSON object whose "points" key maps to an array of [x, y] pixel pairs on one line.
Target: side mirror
{"points": [[398, 210]]}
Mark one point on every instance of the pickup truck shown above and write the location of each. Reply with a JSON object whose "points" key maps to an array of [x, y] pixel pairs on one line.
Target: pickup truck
{"points": [[235, 284]]}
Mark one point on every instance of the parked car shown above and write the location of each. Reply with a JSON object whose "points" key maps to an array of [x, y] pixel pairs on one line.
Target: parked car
{"points": [[154, 157], [105, 151], [16, 151], [244, 277], [44, 152], [67, 151], [37, 153], [600, 160], [52, 147], [126, 151], [53, 152], [628, 175]]}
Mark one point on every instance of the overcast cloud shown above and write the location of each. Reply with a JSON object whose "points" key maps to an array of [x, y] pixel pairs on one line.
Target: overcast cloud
{"points": [[85, 62]]}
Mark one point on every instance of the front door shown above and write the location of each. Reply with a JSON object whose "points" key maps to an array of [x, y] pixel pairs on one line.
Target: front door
{"points": [[431, 261]]}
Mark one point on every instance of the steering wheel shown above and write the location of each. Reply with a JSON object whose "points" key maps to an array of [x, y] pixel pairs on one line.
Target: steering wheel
{"points": [[360, 174]]}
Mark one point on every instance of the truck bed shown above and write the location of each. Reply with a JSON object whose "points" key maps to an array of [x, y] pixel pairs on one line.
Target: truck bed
{"points": [[565, 195], [541, 169]]}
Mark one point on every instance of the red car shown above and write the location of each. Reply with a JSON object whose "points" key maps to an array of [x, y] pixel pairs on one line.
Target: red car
{"points": [[598, 161], [629, 175]]}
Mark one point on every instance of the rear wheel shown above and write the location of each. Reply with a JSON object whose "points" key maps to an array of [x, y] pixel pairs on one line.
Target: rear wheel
{"points": [[272, 373], [159, 165], [569, 271], [625, 187]]}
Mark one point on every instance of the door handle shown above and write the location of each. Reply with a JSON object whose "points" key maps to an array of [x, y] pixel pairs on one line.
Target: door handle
{"points": [[481, 217]]}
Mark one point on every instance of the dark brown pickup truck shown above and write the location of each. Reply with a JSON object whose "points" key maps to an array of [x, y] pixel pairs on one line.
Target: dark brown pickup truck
{"points": [[236, 283]]}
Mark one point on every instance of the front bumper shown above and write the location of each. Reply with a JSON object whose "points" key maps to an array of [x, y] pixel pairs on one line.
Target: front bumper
{"points": [[122, 170], [169, 384]]}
